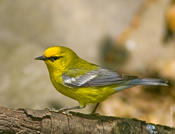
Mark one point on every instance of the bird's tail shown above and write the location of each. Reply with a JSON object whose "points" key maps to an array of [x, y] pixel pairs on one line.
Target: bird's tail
{"points": [[139, 81], [149, 81]]}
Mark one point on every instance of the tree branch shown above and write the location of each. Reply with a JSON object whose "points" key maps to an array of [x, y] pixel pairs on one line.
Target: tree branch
{"points": [[27, 121]]}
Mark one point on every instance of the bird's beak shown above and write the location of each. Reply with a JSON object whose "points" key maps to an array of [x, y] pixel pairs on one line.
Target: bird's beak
{"points": [[41, 58]]}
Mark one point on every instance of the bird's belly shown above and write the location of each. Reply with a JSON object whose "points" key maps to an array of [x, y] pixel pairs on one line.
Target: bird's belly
{"points": [[93, 95], [86, 95]]}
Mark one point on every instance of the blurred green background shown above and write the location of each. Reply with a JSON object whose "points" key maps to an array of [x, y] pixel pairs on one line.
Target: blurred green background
{"points": [[134, 37]]}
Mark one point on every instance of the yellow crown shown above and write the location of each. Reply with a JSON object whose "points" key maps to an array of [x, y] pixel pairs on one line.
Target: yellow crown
{"points": [[52, 51]]}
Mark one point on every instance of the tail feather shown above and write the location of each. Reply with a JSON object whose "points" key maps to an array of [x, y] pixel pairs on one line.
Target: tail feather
{"points": [[149, 81], [144, 81]]}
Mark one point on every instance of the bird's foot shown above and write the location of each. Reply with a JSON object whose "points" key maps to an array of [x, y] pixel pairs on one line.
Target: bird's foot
{"points": [[66, 113], [61, 110]]}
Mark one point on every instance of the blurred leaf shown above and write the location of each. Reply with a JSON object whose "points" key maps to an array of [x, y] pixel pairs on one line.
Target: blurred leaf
{"points": [[113, 55], [169, 23]]}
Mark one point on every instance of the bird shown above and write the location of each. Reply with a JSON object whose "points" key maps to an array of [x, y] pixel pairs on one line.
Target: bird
{"points": [[86, 82]]}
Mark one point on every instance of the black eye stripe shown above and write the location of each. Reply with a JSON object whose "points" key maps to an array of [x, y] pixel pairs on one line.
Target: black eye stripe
{"points": [[53, 58]]}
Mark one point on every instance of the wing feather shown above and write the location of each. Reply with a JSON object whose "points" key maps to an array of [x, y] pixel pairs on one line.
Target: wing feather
{"points": [[100, 77]]}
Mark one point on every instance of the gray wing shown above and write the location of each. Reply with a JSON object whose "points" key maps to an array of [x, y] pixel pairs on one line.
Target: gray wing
{"points": [[100, 77]]}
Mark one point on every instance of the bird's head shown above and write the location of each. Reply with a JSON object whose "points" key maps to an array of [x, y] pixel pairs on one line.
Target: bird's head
{"points": [[57, 57]]}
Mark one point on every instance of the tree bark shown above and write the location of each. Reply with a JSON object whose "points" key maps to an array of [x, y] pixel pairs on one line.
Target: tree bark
{"points": [[28, 121]]}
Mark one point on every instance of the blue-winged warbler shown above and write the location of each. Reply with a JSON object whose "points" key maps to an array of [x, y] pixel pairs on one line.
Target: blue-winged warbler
{"points": [[84, 81]]}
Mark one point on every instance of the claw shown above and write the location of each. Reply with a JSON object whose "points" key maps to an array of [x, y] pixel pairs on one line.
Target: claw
{"points": [[65, 112]]}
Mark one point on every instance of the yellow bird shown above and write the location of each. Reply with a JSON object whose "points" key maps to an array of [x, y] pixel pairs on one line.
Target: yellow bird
{"points": [[84, 81]]}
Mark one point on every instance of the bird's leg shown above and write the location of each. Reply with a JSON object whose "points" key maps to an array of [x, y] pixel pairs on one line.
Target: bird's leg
{"points": [[95, 108], [70, 108]]}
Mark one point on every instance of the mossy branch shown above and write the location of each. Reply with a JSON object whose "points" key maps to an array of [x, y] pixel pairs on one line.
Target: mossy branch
{"points": [[28, 121]]}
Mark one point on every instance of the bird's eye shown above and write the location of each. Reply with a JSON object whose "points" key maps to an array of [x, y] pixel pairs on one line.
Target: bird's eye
{"points": [[53, 58]]}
